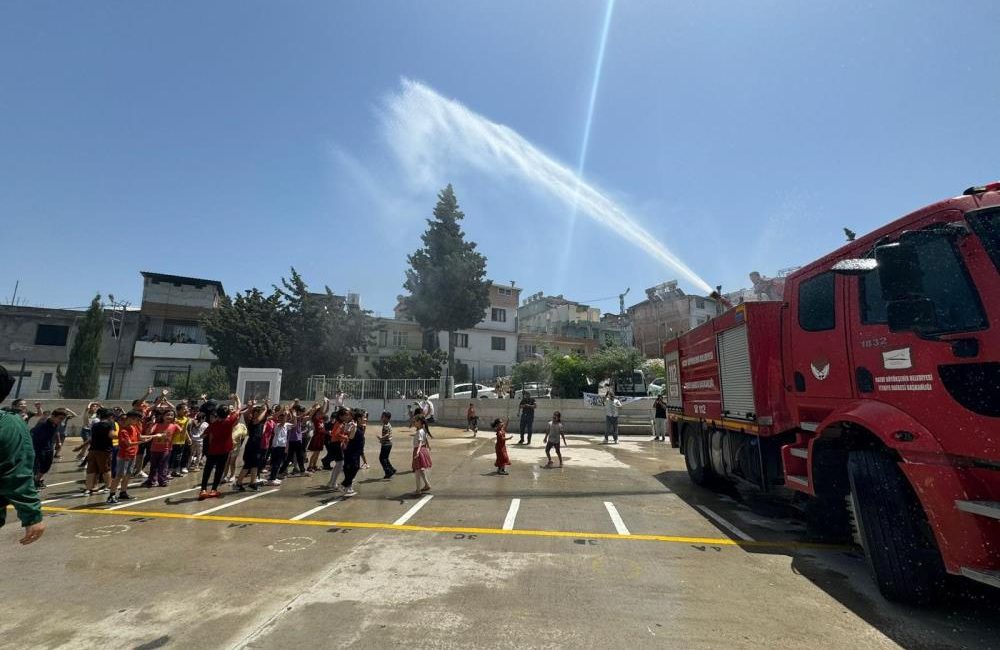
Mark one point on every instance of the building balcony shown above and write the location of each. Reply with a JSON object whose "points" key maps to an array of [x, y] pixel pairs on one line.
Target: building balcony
{"points": [[164, 350]]}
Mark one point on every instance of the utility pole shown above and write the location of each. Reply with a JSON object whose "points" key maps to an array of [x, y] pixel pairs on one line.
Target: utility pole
{"points": [[117, 325], [13, 299]]}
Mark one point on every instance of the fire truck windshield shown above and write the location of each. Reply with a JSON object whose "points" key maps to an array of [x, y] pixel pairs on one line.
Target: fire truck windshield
{"points": [[986, 224], [946, 283]]}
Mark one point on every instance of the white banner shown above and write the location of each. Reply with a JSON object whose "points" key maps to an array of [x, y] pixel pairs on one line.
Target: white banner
{"points": [[593, 399]]}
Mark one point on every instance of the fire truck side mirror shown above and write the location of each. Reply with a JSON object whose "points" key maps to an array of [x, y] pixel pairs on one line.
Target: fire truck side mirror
{"points": [[899, 271]]}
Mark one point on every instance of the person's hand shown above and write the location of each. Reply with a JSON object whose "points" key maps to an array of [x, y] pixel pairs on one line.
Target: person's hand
{"points": [[149, 391], [203, 396], [32, 533]]}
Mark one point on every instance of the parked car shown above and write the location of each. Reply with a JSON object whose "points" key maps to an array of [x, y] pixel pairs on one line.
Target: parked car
{"points": [[464, 391], [655, 387]]}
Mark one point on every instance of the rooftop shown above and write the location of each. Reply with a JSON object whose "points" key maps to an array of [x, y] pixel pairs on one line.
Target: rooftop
{"points": [[180, 279]]}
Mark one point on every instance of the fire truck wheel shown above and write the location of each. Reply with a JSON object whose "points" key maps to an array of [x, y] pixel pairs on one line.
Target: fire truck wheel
{"points": [[696, 458], [899, 544]]}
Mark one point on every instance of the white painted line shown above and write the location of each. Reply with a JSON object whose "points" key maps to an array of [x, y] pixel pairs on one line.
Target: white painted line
{"points": [[616, 519], [322, 506], [63, 483], [233, 503], [508, 523], [725, 524], [129, 504], [412, 511], [78, 495]]}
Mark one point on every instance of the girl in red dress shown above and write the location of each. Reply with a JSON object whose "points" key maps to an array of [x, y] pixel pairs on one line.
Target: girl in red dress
{"points": [[503, 460]]}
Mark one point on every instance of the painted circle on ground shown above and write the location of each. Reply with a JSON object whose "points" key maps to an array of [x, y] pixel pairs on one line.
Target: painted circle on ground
{"points": [[291, 544], [103, 531]]}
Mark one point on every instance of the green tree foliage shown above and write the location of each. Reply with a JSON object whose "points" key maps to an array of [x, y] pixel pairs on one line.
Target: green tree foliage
{"points": [[212, 383], [528, 372], [82, 373], [447, 276], [614, 361], [301, 332], [411, 365], [569, 373]]}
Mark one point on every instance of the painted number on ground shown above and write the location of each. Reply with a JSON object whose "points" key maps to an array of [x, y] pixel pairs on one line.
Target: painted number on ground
{"points": [[464, 536], [585, 542], [291, 544], [103, 531], [338, 530]]}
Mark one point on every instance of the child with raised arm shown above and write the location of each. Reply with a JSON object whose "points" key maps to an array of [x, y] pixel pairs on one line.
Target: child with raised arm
{"points": [[503, 460], [552, 436]]}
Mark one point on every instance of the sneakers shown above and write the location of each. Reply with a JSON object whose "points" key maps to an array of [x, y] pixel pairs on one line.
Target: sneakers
{"points": [[276, 481], [112, 499], [253, 487], [350, 492], [214, 494], [124, 496], [184, 470], [143, 474], [204, 494], [503, 472], [335, 488], [228, 479], [239, 487]]}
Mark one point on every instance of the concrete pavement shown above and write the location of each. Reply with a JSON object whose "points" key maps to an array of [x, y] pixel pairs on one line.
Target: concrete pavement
{"points": [[616, 549]]}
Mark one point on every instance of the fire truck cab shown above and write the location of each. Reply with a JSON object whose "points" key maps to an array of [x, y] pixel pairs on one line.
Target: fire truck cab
{"points": [[873, 388]]}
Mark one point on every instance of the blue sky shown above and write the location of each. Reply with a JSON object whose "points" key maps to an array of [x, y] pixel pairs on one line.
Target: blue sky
{"points": [[231, 140]]}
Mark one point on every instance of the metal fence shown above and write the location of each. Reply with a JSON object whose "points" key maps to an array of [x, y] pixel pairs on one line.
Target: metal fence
{"points": [[319, 386]]}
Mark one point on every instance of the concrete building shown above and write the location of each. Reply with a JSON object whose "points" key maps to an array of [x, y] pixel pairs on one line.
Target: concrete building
{"points": [[553, 322], [172, 342], [488, 350], [398, 334], [41, 340], [667, 312]]}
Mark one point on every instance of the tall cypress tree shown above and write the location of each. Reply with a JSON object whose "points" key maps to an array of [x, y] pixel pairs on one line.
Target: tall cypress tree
{"points": [[82, 374], [447, 276]]}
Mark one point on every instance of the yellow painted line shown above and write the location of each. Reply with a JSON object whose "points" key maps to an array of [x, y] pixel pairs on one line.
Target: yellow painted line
{"points": [[674, 539]]}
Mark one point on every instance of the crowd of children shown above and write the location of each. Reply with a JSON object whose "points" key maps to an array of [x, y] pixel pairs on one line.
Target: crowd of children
{"points": [[246, 445]]}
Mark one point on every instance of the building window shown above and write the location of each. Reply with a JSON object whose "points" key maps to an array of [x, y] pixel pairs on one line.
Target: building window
{"points": [[505, 292], [498, 343], [498, 315], [530, 349], [383, 339], [399, 339], [169, 377], [499, 371], [460, 340], [51, 335], [46, 382], [699, 303]]}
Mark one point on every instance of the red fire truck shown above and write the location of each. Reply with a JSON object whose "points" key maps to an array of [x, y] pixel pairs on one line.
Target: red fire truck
{"points": [[872, 388]]}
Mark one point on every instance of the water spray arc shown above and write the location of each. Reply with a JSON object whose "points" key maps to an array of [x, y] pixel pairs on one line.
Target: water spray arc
{"points": [[428, 132]]}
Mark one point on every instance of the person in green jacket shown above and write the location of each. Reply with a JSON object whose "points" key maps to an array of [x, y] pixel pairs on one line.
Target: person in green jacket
{"points": [[17, 462]]}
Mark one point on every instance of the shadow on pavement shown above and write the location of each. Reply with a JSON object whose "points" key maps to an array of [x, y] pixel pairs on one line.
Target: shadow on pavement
{"points": [[967, 616]]}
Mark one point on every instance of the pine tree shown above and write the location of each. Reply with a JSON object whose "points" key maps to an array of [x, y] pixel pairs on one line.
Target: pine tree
{"points": [[447, 277], [82, 373]]}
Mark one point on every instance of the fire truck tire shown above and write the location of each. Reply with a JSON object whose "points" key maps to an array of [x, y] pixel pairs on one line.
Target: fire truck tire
{"points": [[696, 458], [899, 546]]}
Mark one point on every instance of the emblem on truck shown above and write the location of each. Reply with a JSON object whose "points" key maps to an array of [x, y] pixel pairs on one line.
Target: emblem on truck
{"points": [[820, 368]]}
